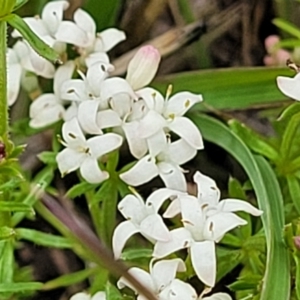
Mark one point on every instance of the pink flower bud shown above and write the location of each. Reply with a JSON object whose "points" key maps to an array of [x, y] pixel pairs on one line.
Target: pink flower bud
{"points": [[143, 67]]}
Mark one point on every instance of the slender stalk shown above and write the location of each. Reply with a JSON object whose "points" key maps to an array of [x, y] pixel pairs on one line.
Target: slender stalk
{"points": [[3, 82]]}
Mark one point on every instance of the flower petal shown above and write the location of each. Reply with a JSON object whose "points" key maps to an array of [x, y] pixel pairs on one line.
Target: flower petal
{"points": [[120, 236], [218, 296], [81, 296], [158, 197], [204, 262], [172, 176], [91, 172], [111, 37], [133, 208], [74, 90], [85, 21], [220, 223], [143, 67], [180, 103], [99, 296], [14, 72], [69, 160], [108, 118], [289, 86], [188, 131], [62, 74], [154, 228], [179, 290], [71, 33], [72, 134], [157, 143], [181, 152], [179, 238], [87, 115], [137, 145], [232, 205], [153, 99], [143, 171], [52, 14], [151, 123], [164, 272], [173, 209], [95, 75], [208, 191]]}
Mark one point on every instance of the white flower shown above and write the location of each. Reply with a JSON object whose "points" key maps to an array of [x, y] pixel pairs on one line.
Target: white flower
{"points": [[166, 164], [84, 296], [290, 86], [143, 218], [217, 296], [84, 154], [166, 115], [48, 108], [82, 33], [206, 221], [161, 281]]}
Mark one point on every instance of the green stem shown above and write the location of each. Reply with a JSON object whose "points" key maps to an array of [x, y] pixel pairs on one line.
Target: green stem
{"points": [[3, 82]]}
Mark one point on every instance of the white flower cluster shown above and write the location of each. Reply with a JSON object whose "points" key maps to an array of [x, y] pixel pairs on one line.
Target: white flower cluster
{"points": [[99, 112]]}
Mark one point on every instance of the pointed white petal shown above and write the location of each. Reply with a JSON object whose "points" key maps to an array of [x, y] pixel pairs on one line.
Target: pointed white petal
{"points": [[232, 205], [108, 118], [87, 116], [181, 152], [104, 144], [133, 208], [192, 216], [142, 276], [69, 160], [207, 190], [164, 272], [218, 296], [74, 90], [157, 143], [14, 72], [151, 123], [179, 290], [173, 209], [37, 25], [71, 112], [204, 262], [289, 86], [91, 172], [153, 98], [71, 33], [154, 228], [42, 67], [220, 223], [180, 238], [143, 67], [143, 171], [114, 86], [72, 133], [172, 176], [97, 57], [99, 296], [120, 236], [111, 37], [95, 75], [62, 74], [158, 197], [45, 110], [188, 131], [180, 103], [81, 296], [53, 13], [137, 145], [85, 21]]}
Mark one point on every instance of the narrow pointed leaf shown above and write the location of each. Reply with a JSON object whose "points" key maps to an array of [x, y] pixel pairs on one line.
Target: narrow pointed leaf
{"points": [[15, 206], [20, 287]]}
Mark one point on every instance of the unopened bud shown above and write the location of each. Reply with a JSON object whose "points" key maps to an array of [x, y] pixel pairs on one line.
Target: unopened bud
{"points": [[297, 241]]}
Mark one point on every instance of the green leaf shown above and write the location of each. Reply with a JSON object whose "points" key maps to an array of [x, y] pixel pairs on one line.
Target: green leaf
{"points": [[69, 279], [112, 293], [20, 287], [6, 261], [6, 232], [48, 158], [19, 4], [294, 189], [17, 151], [246, 283], [276, 281], [230, 88], [133, 254], [35, 42], [15, 206], [253, 140], [297, 279], [43, 239], [287, 27], [79, 189]]}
